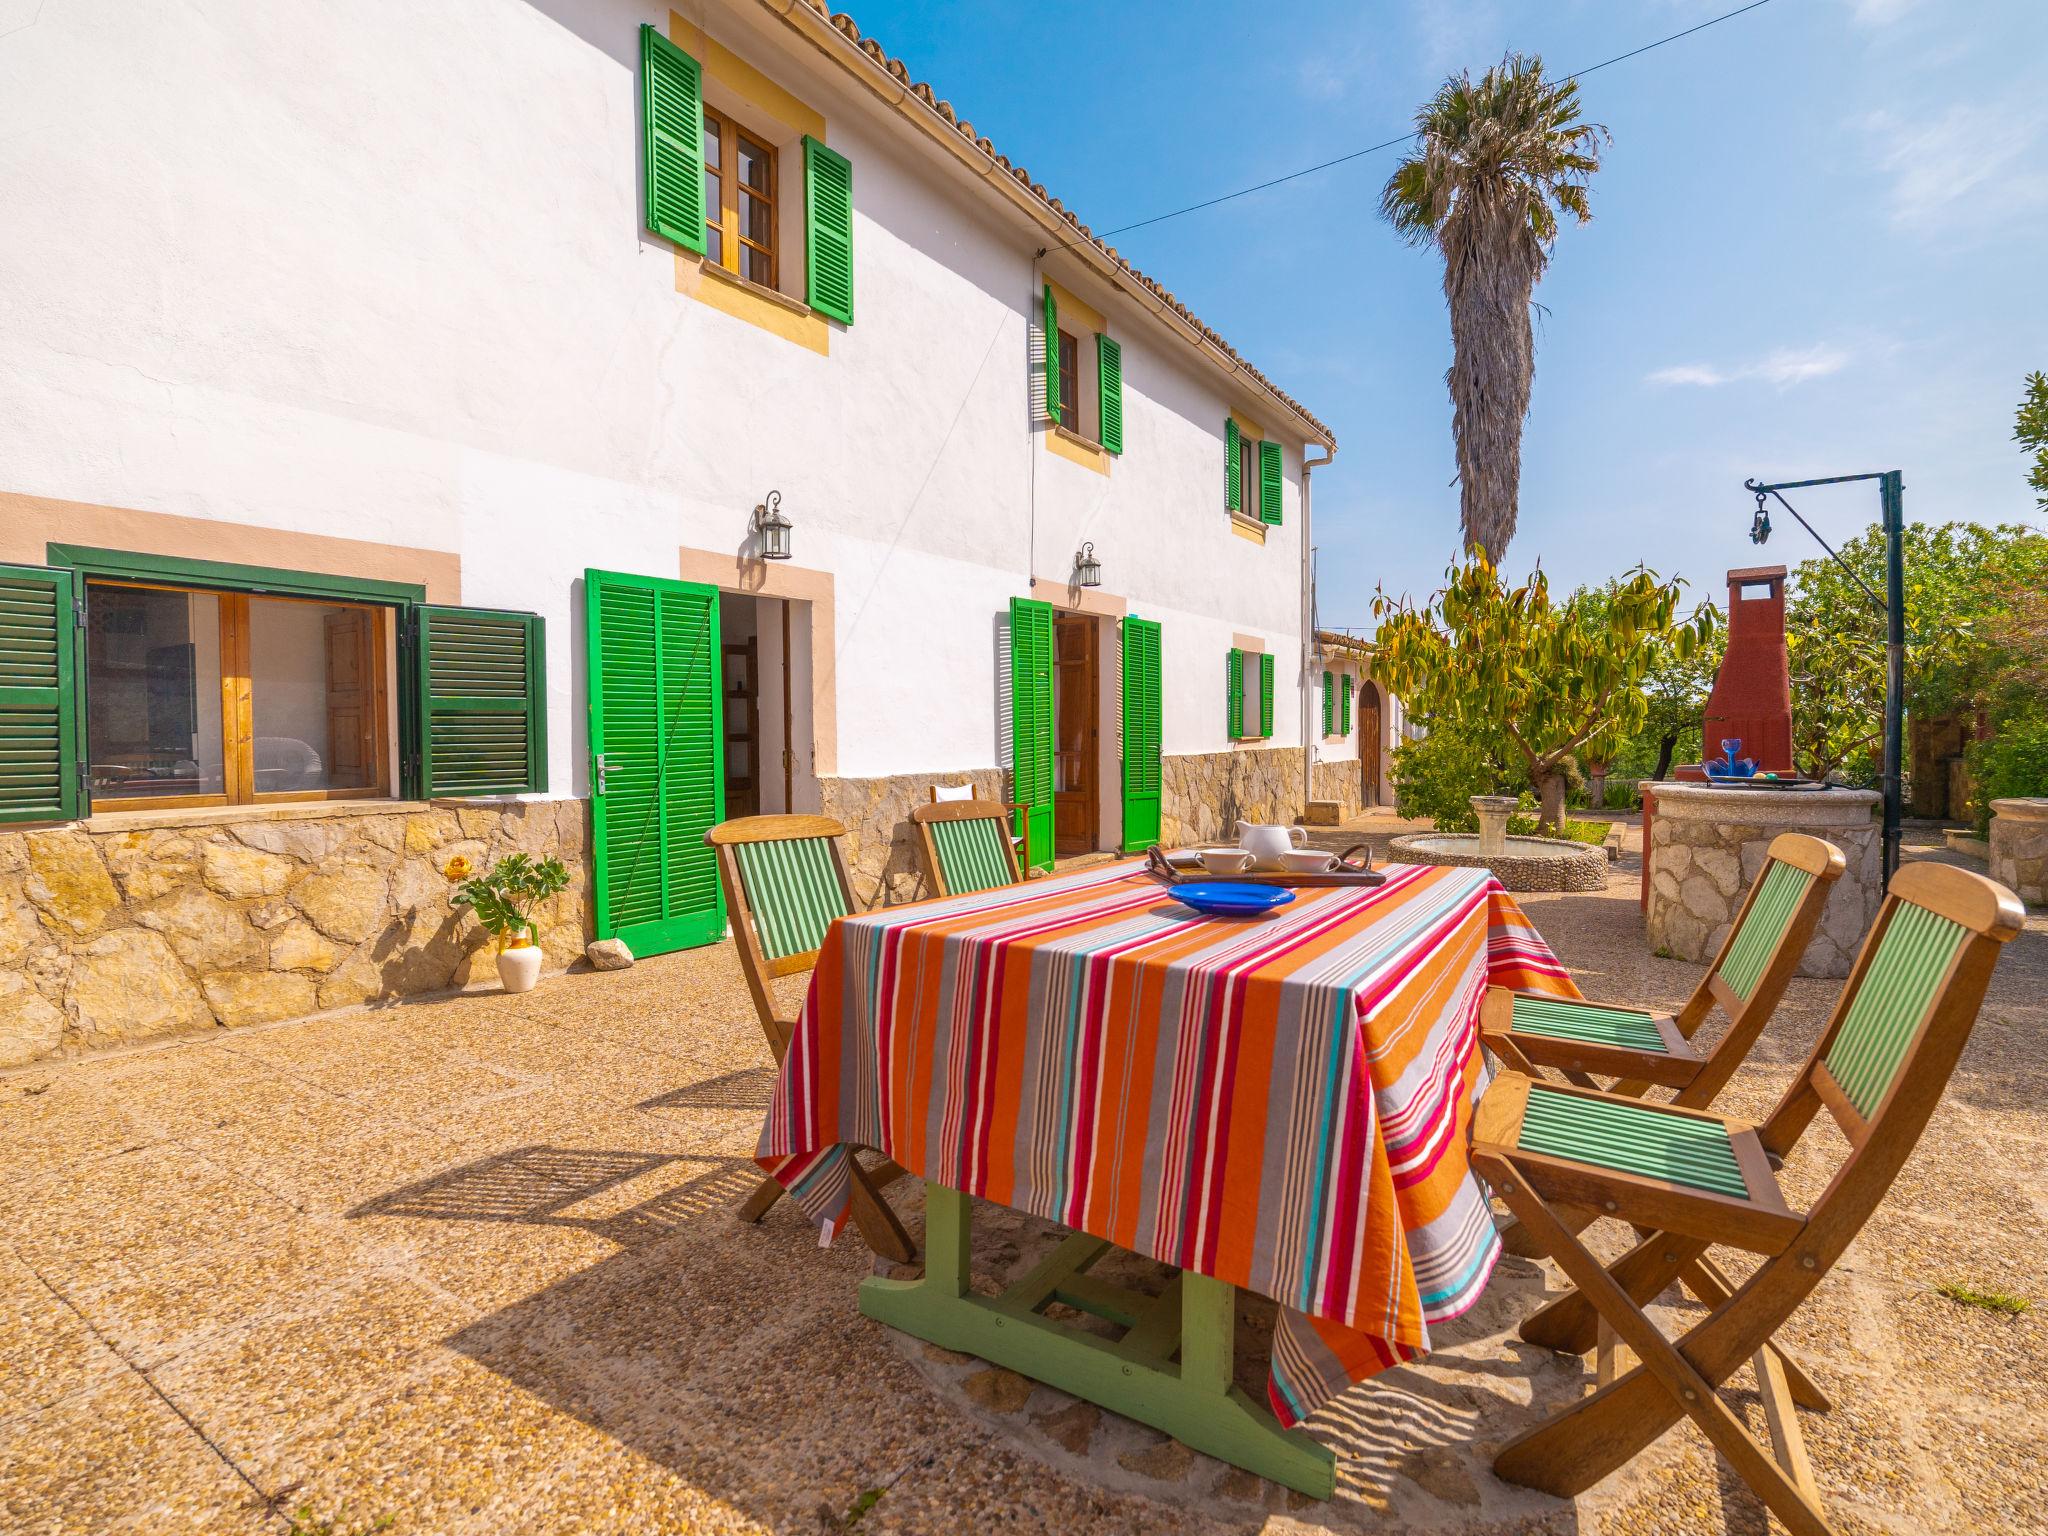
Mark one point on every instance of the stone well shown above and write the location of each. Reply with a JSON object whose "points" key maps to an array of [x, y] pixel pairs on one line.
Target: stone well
{"points": [[2019, 847], [1707, 844]]}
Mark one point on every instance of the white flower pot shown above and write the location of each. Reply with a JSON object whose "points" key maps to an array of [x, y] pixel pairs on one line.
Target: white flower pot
{"points": [[519, 969]]}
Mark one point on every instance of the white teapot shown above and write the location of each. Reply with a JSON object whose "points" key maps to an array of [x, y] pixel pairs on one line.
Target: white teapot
{"points": [[1268, 844]]}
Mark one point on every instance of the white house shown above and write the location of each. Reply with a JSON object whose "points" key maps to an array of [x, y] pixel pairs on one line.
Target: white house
{"points": [[401, 404]]}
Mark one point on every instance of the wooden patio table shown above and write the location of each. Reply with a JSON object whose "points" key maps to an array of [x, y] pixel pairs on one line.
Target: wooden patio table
{"points": [[1281, 1104]]}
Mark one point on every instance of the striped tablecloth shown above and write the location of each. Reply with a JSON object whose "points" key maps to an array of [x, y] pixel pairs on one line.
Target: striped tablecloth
{"points": [[1282, 1103]]}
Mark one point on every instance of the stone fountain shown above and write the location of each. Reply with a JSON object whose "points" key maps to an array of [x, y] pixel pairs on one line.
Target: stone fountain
{"points": [[1519, 863]]}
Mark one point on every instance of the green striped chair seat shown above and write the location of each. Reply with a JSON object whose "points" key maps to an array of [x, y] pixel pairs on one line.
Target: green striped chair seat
{"points": [[1627, 1137], [971, 854], [1764, 926], [1890, 1002], [792, 886], [1561, 1018]]}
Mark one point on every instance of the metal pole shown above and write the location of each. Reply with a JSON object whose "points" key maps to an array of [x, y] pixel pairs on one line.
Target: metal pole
{"points": [[1892, 491]]}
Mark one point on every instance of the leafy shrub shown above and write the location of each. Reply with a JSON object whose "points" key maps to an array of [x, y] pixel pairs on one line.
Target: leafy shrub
{"points": [[1438, 775], [2013, 762]]}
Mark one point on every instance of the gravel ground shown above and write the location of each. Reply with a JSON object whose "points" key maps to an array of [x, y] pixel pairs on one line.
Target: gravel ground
{"points": [[470, 1264]]}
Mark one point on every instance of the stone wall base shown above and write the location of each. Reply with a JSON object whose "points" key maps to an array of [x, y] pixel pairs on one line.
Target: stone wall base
{"points": [[1208, 793], [881, 852], [155, 924], [1344, 783], [2019, 847]]}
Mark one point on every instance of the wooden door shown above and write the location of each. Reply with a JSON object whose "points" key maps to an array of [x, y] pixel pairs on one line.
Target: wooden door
{"points": [[657, 772], [351, 697], [1076, 736], [1369, 743]]}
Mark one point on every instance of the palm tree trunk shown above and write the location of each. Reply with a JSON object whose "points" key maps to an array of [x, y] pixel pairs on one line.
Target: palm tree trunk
{"points": [[1489, 279]]}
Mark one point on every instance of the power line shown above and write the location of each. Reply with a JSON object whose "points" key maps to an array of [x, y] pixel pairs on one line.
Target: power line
{"points": [[1373, 149]]}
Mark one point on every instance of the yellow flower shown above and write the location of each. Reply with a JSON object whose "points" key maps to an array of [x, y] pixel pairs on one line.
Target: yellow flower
{"points": [[458, 868]]}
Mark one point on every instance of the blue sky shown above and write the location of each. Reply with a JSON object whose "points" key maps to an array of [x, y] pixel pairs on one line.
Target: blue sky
{"points": [[1817, 248]]}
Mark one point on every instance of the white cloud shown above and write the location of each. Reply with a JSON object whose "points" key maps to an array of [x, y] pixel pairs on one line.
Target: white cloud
{"points": [[1783, 368], [1964, 170]]}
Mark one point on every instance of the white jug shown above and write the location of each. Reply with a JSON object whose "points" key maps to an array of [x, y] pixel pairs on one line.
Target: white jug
{"points": [[1266, 844]]}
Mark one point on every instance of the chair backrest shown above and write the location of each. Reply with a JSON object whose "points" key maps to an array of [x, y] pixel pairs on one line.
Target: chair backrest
{"points": [[966, 846], [943, 793], [1769, 935], [785, 880], [1901, 1022]]}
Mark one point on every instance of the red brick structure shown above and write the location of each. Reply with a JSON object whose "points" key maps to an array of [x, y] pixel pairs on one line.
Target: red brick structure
{"points": [[1752, 697]]}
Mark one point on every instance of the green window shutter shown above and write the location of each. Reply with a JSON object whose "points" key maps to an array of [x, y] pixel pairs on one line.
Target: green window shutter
{"points": [[1233, 492], [39, 745], [672, 131], [1031, 727], [482, 701], [1142, 717], [1344, 709], [1052, 356], [1233, 697], [1109, 375], [828, 231], [1329, 705], [1265, 693], [1269, 482]]}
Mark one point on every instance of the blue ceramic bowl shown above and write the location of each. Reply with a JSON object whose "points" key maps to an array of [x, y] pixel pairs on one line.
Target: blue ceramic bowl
{"points": [[1231, 898]]}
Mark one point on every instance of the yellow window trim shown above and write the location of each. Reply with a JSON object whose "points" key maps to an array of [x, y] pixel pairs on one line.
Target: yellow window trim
{"points": [[778, 313], [1071, 445], [1248, 528]]}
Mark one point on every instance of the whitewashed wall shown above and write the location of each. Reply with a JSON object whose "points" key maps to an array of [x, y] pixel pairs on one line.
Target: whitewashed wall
{"points": [[376, 269]]}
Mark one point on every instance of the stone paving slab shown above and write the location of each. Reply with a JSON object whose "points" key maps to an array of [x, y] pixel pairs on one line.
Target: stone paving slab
{"points": [[471, 1264]]}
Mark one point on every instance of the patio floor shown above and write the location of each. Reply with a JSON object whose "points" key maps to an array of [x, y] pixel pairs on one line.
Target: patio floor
{"points": [[470, 1264]]}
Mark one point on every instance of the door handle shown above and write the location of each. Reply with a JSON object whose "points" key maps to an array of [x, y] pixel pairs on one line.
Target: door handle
{"points": [[600, 773]]}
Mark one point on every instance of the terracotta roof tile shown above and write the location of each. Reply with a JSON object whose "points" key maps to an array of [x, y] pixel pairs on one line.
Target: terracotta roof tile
{"points": [[846, 26]]}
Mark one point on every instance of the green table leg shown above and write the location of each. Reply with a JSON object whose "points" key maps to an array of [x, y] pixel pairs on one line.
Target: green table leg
{"points": [[1192, 1400]]}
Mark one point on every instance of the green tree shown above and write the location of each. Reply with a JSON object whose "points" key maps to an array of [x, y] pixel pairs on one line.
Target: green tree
{"points": [[2030, 431], [1496, 162], [1553, 678]]}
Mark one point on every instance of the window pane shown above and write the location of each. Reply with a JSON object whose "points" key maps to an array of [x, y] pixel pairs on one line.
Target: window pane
{"points": [[757, 219], [754, 164], [1070, 382], [312, 684], [714, 144], [714, 243], [757, 266], [152, 685]]}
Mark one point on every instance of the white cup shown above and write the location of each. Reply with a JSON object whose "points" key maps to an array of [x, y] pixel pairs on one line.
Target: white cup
{"points": [[1307, 861], [1226, 861]]}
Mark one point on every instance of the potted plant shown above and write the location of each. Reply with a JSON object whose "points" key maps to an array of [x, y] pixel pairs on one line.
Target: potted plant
{"points": [[503, 898]]}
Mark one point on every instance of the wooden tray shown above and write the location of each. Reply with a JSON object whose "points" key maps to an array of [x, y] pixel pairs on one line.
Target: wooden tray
{"points": [[1159, 865]]}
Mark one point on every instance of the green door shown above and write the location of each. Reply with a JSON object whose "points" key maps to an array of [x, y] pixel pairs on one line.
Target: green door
{"points": [[657, 760], [1141, 734], [1031, 707]]}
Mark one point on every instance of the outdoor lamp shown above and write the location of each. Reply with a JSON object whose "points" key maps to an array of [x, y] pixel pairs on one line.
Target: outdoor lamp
{"points": [[1087, 569], [1760, 525], [773, 528]]}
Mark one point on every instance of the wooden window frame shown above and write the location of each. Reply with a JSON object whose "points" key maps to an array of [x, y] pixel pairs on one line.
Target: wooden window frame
{"points": [[1248, 476], [723, 215], [238, 735], [1067, 359]]}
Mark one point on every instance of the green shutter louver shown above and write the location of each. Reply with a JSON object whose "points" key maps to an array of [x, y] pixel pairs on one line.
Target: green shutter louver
{"points": [[1109, 376], [1269, 482], [1031, 727], [39, 746], [482, 702], [1265, 693], [1344, 708], [1233, 491], [1329, 705], [672, 135], [1233, 696], [828, 231], [1052, 356], [1141, 717]]}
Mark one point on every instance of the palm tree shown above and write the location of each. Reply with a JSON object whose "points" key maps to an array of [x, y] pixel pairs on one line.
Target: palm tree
{"points": [[1494, 164]]}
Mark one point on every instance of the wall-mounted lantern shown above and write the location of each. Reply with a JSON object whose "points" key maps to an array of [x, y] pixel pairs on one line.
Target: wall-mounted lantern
{"points": [[1087, 569], [773, 527]]}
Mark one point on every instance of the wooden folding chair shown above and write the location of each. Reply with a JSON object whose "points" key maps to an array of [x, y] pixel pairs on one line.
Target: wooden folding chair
{"points": [[785, 880], [1638, 1048], [966, 846], [1690, 1180]]}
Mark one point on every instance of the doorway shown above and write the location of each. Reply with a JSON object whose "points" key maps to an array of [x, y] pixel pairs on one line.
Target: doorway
{"points": [[1368, 743], [766, 698], [1077, 734]]}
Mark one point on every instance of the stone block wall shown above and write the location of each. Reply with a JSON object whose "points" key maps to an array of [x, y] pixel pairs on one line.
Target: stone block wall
{"points": [[1708, 844], [2019, 847], [154, 924], [1343, 783], [881, 852], [1208, 793]]}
